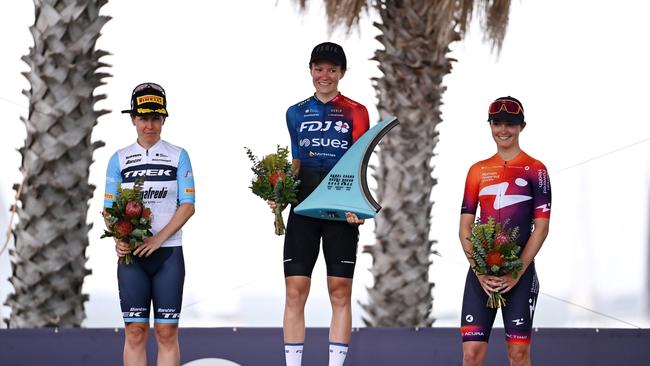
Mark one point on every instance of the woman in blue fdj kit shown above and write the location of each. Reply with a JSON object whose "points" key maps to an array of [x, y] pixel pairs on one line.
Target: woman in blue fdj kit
{"points": [[158, 271], [322, 128]]}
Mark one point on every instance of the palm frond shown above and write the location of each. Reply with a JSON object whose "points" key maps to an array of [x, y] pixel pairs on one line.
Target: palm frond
{"points": [[341, 13], [443, 17]]}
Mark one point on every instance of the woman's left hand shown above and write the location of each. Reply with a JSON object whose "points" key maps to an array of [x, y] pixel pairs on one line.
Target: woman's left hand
{"points": [[353, 219], [150, 245], [507, 283]]}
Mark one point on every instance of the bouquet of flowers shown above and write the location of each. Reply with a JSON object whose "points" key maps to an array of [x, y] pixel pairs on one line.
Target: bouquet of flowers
{"points": [[495, 252], [274, 180], [128, 220]]}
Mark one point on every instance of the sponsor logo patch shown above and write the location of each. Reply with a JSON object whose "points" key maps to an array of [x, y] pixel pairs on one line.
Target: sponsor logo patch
{"points": [[149, 99]]}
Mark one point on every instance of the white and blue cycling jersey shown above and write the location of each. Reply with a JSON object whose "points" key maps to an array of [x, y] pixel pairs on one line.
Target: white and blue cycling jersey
{"points": [[168, 181]]}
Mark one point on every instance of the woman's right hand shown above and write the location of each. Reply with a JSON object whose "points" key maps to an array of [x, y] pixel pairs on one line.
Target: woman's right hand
{"points": [[273, 205], [121, 248], [490, 283]]}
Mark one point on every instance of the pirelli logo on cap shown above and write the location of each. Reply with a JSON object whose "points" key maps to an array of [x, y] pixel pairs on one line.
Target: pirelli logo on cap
{"points": [[109, 196], [189, 190], [149, 99]]}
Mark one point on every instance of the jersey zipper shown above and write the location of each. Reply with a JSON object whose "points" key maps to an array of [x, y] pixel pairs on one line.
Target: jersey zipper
{"points": [[503, 178]]}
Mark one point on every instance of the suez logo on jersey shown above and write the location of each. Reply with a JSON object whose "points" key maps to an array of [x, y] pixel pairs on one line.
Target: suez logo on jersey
{"points": [[316, 142]]}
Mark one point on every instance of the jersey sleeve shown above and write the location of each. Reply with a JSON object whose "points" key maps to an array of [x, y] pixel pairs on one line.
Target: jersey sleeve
{"points": [[470, 195], [185, 179], [291, 126], [541, 191], [113, 179], [360, 122]]}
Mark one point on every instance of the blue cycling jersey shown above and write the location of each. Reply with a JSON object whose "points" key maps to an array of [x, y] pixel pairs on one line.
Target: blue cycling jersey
{"points": [[322, 132], [168, 181]]}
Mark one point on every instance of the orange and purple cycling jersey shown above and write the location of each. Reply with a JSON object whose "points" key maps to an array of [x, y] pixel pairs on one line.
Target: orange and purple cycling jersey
{"points": [[517, 190]]}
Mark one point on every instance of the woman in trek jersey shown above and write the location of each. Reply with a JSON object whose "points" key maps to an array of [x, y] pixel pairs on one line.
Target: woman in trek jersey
{"points": [[513, 186], [158, 270], [322, 128]]}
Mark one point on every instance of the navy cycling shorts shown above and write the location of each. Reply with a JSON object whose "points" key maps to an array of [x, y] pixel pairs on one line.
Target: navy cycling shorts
{"points": [[158, 278], [477, 319]]}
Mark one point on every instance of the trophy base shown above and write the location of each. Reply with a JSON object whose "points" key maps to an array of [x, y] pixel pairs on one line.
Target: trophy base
{"points": [[333, 212]]}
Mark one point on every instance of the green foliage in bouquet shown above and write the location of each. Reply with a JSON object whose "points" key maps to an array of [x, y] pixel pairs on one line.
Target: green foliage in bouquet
{"points": [[273, 180], [495, 253], [127, 219]]}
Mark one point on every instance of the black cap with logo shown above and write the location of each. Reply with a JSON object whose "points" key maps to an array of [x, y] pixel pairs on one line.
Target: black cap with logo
{"points": [[329, 51], [148, 98]]}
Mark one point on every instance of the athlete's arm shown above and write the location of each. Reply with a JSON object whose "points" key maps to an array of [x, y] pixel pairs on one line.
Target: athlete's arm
{"points": [[360, 122], [113, 179], [295, 167], [533, 245], [488, 283], [182, 214], [464, 232]]}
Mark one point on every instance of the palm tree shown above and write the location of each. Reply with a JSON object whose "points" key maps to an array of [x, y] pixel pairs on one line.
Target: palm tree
{"points": [[415, 35], [48, 263]]}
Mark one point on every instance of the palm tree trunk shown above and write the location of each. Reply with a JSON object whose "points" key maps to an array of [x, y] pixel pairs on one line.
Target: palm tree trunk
{"points": [[413, 63], [48, 263]]}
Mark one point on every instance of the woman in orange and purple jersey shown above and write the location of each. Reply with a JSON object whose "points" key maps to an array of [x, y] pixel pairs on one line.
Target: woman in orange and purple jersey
{"points": [[514, 187]]}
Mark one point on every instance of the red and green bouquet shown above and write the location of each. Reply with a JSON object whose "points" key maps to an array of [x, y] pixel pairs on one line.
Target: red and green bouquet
{"points": [[273, 180], [128, 220], [495, 253]]}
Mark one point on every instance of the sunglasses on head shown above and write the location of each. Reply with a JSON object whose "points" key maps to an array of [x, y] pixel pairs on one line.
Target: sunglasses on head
{"points": [[506, 105], [148, 86]]}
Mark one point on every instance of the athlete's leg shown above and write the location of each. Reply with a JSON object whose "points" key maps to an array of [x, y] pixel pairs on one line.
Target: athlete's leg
{"points": [[476, 322], [518, 317], [474, 353], [135, 299], [297, 290], [135, 344], [519, 354], [167, 296], [301, 248], [340, 291], [169, 353], [340, 241]]}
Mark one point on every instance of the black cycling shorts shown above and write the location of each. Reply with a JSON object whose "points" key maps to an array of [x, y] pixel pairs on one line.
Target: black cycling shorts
{"points": [[303, 237], [477, 319], [158, 278]]}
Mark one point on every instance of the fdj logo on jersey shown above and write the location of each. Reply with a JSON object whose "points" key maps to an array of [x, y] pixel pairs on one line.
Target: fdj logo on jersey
{"points": [[312, 126]]}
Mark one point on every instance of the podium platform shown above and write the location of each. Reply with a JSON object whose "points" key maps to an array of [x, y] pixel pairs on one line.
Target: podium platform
{"points": [[369, 347]]}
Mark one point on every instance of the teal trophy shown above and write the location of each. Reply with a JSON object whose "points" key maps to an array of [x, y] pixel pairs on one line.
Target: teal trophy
{"points": [[345, 188]]}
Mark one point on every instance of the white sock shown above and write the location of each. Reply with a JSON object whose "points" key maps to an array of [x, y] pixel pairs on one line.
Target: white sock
{"points": [[338, 351], [293, 353]]}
